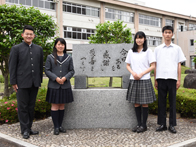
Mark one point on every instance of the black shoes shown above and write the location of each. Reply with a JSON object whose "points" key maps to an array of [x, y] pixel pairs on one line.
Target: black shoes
{"points": [[61, 129], [135, 128], [34, 132], [161, 128], [26, 135], [141, 129], [172, 129], [56, 131]]}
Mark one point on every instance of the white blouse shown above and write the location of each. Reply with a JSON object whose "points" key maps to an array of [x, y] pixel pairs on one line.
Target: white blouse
{"points": [[140, 62]]}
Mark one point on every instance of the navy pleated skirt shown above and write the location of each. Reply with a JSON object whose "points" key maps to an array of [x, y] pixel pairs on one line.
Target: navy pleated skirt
{"points": [[59, 96]]}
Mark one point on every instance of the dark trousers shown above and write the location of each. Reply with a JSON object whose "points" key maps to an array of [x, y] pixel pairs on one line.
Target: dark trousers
{"points": [[26, 98], [165, 86]]}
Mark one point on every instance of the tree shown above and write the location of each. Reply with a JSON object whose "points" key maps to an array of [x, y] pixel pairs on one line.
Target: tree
{"points": [[111, 33], [12, 21]]}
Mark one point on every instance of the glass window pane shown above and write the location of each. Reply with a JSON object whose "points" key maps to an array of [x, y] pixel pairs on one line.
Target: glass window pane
{"points": [[78, 10], [92, 31], [73, 9], [41, 4], [52, 6], [79, 30], [74, 35], [64, 8], [84, 36], [35, 3], [47, 5], [79, 35], [88, 35], [65, 34], [88, 30], [68, 34], [84, 11], [73, 29], [87, 11], [68, 8], [28, 2], [22, 2], [16, 1]]}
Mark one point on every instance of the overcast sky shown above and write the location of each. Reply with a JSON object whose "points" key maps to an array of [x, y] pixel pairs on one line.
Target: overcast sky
{"points": [[186, 7]]}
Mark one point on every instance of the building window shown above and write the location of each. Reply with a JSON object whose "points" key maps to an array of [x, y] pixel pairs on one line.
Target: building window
{"points": [[77, 33], [192, 27], [154, 41], [80, 9], [47, 4], [121, 15], [149, 20], [169, 22], [192, 42]]}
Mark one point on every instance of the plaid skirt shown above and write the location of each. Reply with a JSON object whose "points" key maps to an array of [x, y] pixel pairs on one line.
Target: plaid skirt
{"points": [[141, 92]]}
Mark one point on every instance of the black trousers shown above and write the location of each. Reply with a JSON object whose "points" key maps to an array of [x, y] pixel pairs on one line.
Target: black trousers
{"points": [[26, 98], [165, 86]]}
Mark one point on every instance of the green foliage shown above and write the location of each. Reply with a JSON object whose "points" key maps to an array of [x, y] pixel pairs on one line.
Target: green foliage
{"points": [[185, 103], [8, 108], [12, 21], [111, 33]]}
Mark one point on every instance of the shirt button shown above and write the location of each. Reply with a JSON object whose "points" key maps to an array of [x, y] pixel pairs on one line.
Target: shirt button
{"points": [[60, 71], [30, 52], [31, 58], [60, 65], [31, 64], [32, 70]]}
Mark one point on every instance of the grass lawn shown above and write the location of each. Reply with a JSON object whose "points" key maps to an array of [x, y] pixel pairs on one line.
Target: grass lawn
{"points": [[104, 81]]}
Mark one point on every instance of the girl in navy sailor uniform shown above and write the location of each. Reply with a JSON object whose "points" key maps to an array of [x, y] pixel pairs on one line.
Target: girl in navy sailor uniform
{"points": [[59, 69], [140, 61]]}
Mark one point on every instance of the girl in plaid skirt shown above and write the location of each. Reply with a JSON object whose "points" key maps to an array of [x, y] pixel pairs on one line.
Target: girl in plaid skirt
{"points": [[140, 62]]}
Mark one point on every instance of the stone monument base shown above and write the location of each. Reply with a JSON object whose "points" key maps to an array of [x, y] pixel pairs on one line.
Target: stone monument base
{"points": [[99, 108]]}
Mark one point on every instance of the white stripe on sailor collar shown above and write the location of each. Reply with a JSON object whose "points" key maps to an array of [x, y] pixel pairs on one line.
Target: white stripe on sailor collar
{"points": [[58, 60]]}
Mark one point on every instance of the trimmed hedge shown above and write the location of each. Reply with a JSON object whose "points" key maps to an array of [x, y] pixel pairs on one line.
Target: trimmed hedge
{"points": [[185, 103], [8, 108]]}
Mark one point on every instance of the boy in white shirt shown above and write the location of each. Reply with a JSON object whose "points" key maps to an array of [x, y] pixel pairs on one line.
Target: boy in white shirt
{"points": [[167, 78]]}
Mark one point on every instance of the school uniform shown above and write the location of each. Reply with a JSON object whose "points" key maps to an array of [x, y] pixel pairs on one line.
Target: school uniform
{"points": [[167, 59], [140, 91], [58, 93], [26, 70]]}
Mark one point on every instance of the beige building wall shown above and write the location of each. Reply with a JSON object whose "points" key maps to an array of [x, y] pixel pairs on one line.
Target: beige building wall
{"points": [[184, 41], [2, 2]]}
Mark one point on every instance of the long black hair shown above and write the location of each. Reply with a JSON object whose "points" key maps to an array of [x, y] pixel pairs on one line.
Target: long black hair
{"points": [[140, 34], [55, 50]]}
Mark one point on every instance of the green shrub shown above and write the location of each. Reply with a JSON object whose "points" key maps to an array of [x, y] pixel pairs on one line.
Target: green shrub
{"points": [[8, 109], [1, 79], [185, 103]]}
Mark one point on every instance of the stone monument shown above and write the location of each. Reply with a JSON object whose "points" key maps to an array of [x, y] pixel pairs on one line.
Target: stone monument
{"points": [[99, 107]]}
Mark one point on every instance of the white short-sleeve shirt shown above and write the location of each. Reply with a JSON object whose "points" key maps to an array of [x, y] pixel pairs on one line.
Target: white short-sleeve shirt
{"points": [[167, 59], [140, 62]]}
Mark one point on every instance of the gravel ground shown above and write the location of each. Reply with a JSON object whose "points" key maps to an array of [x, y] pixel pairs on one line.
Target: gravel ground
{"points": [[104, 137]]}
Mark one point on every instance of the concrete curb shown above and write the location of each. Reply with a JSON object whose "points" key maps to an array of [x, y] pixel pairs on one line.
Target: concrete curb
{"points": [[186, 143], [14, 142]]}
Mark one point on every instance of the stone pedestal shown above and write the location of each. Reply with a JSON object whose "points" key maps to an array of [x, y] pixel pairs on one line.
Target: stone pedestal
{"points": [[190, 81], [99, 108]]}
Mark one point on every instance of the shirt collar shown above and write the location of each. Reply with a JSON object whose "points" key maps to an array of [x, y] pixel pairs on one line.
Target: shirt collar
{"points": [[171, 45]]}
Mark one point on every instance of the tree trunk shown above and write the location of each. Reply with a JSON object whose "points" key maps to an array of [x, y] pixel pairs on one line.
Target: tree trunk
{"points": [[110, 82], [5, 72]]}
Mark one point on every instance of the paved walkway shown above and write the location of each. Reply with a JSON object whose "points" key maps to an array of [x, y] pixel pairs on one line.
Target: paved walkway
{"points": [[104, 137]]}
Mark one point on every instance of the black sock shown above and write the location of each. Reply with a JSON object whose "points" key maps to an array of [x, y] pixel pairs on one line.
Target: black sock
{"points": [[61, 115], [145, 116], [55, 118], [138, 115]]}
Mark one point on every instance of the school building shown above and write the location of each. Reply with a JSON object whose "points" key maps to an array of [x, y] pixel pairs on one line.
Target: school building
{"points": [[77, 20]]}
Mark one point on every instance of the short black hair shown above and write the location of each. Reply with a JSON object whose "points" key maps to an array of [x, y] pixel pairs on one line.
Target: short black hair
{"points": [[167, 28], [140, 34], [28, 27]]}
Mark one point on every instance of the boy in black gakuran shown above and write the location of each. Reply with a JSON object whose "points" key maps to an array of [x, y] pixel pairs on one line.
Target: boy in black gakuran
{"points": [[169, 57], [26, 72]]}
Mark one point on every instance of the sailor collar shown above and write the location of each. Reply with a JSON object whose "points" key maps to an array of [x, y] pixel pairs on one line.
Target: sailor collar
{"points": [[65, 58]]}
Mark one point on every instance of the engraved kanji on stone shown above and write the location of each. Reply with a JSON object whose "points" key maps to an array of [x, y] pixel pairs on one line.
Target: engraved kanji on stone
{"points": [[106, 60]]}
